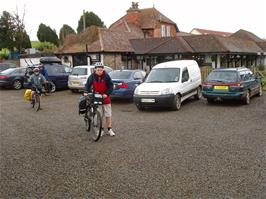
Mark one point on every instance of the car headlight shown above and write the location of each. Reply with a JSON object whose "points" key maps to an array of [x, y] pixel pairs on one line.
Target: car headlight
{"points": [[166, 91], [136, 92]]}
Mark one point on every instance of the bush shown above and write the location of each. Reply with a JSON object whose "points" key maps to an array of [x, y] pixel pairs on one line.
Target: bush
{"points": [[4, 53], [43, 46]]}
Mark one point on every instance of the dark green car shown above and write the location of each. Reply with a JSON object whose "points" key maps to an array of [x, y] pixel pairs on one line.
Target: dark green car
{"points": [[232, 83]]}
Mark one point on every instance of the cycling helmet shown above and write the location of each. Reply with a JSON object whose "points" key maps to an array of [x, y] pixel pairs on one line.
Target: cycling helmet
{"points": [[98, 65]]}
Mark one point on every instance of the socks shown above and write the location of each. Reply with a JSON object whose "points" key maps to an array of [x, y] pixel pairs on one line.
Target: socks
{"points": [[109, 128]]}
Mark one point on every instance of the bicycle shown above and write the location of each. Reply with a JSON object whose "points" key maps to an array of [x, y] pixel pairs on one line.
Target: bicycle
{"points": [[92, 116], [47, 88], [36, 100]]}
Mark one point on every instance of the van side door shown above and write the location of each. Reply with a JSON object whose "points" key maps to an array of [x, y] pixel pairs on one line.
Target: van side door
{"points": [[185, 81]]}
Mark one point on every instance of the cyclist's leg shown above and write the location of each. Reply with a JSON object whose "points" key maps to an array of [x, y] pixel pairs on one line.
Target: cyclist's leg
{"points": [[108, 118], [33, 90]]}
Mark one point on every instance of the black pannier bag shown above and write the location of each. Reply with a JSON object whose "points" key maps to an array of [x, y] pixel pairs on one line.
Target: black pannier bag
{"points": [[82, 104]]}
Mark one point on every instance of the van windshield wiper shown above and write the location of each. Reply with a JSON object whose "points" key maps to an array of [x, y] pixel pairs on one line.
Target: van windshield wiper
{"points": [[154, 81]]}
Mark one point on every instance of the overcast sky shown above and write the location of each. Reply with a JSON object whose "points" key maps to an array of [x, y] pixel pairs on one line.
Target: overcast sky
{"points": [[221, 15]]}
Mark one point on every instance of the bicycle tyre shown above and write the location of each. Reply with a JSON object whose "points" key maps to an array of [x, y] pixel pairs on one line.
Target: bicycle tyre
{"points": [[37, 103], [87, 121], [96, 127]]}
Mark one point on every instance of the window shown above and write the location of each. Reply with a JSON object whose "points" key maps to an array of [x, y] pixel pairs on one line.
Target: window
{"points": [[185, 75], [163, 75], [163, 30], [168, 33], [138, 75]]}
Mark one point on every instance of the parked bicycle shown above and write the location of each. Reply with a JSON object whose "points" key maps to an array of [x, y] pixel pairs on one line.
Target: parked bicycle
{"points": [[92, 116]]}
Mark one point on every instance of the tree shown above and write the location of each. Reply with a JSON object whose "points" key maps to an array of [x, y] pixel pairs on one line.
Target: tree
{"points": [[45, 33], [64, 31], [12, 32], [90, 19]]}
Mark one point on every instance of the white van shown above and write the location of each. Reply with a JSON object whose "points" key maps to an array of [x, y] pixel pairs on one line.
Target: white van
{"points": [[169, 84], [79, 75]]}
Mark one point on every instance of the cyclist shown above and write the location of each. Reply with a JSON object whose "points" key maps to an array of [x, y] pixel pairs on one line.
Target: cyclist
{"points": [[100, 82], [36, 81]]}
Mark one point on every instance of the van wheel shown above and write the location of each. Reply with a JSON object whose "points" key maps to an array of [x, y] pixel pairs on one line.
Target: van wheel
{"points": [[199, 93], [177, 102], [139, 107], [210, 101], [247, 98]]}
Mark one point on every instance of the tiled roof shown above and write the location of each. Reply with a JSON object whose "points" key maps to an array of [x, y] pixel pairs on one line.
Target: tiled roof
{"points": [[101, 40], [112, 41], [243, 34], [194, 44], [262, 45], [77, 42], [212, 32], [147, 19], [166, 45]]}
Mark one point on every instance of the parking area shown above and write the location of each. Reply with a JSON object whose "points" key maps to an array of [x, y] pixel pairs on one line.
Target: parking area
{"points": [[200, 151]]}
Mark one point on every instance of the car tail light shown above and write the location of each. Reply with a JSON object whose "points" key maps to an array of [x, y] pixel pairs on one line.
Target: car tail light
{"points": [[236, 85], [123, 85], [3, 77], [206, 85]]}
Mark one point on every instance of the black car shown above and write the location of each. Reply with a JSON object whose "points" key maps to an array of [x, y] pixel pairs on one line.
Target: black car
{"points": [[232, 83], [4, 66], [13, 77]]}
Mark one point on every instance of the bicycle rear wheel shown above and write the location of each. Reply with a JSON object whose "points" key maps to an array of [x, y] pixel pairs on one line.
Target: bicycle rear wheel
{"points": [[96, 126], [37, 103]]}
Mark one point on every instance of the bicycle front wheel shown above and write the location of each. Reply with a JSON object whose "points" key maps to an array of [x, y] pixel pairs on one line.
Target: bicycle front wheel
{"points": [[37, 104], [87, 121], [96, 126]]}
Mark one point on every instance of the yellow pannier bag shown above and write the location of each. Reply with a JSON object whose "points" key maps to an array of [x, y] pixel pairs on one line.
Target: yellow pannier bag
{"points": [[27, 94]]}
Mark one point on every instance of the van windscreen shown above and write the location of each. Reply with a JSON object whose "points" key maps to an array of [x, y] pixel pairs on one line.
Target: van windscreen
{"points": [[163, 75]]}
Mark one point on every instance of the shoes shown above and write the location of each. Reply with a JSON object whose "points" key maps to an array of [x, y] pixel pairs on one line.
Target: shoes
{"points": [[111, 132], [102, 132]]}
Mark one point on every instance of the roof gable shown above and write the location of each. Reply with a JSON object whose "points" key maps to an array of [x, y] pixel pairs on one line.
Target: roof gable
{"points": [[243, 34]]}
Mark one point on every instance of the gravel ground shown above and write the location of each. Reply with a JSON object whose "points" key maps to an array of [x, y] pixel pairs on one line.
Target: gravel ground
{"points": [[201, 151]]}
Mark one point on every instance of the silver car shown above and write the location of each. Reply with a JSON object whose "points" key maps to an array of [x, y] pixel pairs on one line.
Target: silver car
{"points": [[79, 75]]}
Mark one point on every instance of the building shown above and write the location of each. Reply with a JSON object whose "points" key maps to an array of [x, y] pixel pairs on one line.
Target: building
{"points": [[145, 37]]}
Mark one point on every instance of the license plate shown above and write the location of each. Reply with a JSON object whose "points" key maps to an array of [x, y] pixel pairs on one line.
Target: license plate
{"points": [[75, 83], [220, 87], [148, 100]]}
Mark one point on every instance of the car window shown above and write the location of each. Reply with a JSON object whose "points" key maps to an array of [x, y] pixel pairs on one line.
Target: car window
{"points": [[55, 69], [223, 76], [163, 75], [107, 69], [185, 75], [68, 69], [138, 75], [120, 74], [8, 71], [79, 71]]}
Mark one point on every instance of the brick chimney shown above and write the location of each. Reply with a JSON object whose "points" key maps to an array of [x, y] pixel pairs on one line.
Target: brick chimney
{"points": [[133, 14]]}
